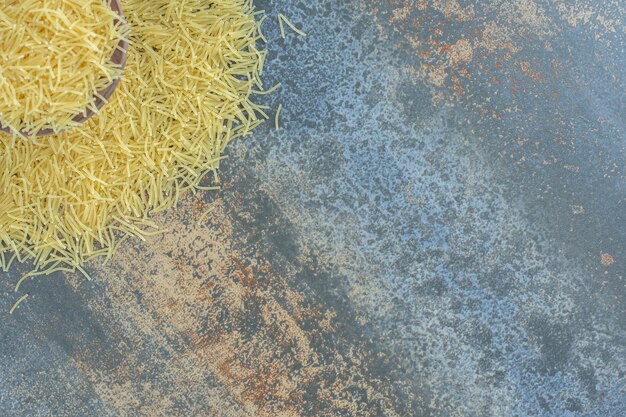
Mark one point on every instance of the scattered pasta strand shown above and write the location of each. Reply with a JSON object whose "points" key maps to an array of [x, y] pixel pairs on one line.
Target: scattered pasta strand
{"points": [[17, 303], [277, 117], [204, 215], [281, 19], [269, 91], [281, 26]]}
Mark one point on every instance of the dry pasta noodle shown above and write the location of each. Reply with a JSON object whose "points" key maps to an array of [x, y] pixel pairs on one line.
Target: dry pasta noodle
{"points": [[281, 19], [17, 303], [277, 117], [185, 94]]}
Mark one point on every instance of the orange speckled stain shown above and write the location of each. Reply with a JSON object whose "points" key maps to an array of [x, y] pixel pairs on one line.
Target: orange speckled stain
{"points": [[448, 58], [218, 311]]}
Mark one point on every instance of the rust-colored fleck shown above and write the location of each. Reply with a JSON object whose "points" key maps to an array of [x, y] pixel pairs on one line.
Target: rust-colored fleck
{"points": [[607, 260], [526, 68]]}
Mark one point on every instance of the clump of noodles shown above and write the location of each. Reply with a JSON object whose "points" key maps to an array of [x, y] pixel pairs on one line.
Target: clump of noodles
{"points": [[186, 93], [55, 56]]}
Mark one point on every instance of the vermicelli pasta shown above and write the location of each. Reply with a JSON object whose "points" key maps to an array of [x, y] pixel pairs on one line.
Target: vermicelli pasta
{"points": [[185, 94]]}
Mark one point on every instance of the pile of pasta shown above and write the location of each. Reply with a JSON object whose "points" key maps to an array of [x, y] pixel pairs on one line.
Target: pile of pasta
{"points": [[55, 56], [193, 67]]}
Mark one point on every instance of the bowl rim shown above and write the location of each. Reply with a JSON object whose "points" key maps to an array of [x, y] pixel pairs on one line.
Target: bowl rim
{"points": [[120, 56]]}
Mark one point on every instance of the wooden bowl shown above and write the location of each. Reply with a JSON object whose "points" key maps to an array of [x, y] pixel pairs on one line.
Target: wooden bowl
{"points": [[119, 57]]}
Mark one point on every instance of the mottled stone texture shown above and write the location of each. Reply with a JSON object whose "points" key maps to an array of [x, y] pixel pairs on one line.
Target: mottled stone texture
{"points": [[437, 229]]}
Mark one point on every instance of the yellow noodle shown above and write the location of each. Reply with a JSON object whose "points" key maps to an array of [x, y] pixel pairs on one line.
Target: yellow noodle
{"points": [[18, 302], [276, 119], [281, 19]]}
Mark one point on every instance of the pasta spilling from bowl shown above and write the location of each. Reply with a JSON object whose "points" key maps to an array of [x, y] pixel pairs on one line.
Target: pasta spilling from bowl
{"points": [[193, 67]]}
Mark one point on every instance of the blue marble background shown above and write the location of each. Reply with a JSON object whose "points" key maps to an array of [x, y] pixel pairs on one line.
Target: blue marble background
{"points": [[471, 231]]}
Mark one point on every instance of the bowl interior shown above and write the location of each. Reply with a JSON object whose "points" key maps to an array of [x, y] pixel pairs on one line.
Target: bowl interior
{"points": [[119, 57]]}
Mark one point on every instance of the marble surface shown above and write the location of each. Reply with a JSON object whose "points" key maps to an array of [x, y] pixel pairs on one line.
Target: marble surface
{"points": [[438, 228]]}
